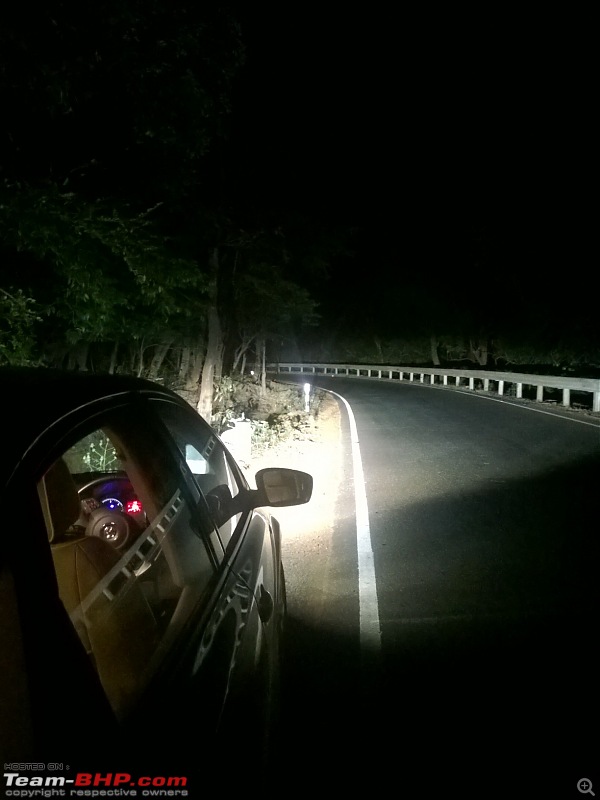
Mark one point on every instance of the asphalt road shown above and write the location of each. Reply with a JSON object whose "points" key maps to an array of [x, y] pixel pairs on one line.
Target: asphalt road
{"points": [[483, 525]]}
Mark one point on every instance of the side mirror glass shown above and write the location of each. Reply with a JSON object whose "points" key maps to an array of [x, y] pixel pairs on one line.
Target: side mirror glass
{"points": [[280, 487]]}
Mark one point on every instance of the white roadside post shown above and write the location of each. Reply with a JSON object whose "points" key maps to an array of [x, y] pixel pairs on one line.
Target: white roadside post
{"points": [[306, 396]]}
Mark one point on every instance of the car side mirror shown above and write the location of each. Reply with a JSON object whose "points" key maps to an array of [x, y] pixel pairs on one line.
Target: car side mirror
{"points": [[280, 487]]}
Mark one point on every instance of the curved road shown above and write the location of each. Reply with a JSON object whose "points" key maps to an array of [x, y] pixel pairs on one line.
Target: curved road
{"points": [[481, 521]]}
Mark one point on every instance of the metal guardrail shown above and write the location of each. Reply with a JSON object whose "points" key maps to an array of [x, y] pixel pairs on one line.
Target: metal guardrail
{"points": [[467, 378]]}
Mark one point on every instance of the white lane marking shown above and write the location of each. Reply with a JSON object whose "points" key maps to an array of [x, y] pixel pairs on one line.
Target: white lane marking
{"points": [[370, 631], [528, 408], [524, 405]]}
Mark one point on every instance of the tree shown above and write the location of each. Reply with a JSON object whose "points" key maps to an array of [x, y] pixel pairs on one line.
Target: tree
{"points": [[270, 307], [214, 343], [250, 302], [109, 113], [18, 320], [111, 276]]}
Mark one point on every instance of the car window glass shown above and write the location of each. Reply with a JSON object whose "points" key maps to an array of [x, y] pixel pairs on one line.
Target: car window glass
{"points": [[93, 453], [130, 560], [213, 470]]}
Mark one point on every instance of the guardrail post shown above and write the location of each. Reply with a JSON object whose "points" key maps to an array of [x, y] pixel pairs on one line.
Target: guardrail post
{"points": [[489, 379]]}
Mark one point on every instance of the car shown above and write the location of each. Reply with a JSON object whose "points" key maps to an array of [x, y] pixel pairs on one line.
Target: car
{"points": [[143, 591]]}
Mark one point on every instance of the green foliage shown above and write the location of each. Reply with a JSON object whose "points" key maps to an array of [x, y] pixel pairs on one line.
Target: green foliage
{"points": [[269, 305], [111, 188], [110, 111], [263, 437], [94, 453], [113, 273], [18, 320]]}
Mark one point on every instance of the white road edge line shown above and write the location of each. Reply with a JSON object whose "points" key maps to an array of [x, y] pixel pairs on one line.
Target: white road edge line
{"points": [[484, 396], [370, 631], [527, 408]]}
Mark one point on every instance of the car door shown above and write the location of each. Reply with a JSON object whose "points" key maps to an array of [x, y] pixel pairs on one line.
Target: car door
{"points": [[143, 606], [148, 646], [252, 582]]}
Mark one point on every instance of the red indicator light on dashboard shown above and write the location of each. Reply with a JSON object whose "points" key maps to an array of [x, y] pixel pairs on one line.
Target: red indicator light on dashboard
{"points": [[133, 507]]}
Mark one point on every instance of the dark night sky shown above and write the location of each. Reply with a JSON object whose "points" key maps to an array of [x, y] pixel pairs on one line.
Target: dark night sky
{"points": [[456, 143], [420, 129]]}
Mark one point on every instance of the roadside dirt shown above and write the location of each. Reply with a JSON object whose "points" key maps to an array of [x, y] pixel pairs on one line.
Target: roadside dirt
{"points": [[285, 434], [307, 531], [317, 452]]}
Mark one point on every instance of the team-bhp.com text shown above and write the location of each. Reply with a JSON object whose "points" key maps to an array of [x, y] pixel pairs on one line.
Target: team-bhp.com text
{"points": [[87, 784]]}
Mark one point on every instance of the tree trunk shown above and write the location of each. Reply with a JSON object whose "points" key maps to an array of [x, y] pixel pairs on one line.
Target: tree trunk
{"points": [[479, 352], [78, 357], [433, 343], [257, 352], [140, 367], [263, 367], [185, 360], [379, 350], [240, 353], [113, 359], [196, 365], [215, 345], [236, 360], [158, 358], [219, 362], [136, 357], [212, 364]]}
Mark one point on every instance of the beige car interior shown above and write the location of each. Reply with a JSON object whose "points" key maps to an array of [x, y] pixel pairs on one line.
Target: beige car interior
{"points": [[104, 600]]}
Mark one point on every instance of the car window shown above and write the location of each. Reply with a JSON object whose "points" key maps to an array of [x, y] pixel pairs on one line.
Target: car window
{"points": [[213, 470], [93, 453], [130, 558]]}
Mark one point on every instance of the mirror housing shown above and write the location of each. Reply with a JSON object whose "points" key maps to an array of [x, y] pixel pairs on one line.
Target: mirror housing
{"points": [[279, 487]]}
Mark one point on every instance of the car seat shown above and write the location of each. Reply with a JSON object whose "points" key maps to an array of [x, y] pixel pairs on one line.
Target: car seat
{"points": [[101, 595]]}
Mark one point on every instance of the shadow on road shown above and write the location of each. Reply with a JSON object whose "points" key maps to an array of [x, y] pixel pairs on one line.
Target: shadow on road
{"points": [[321, 687], [476, 707], [487, 681]]}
